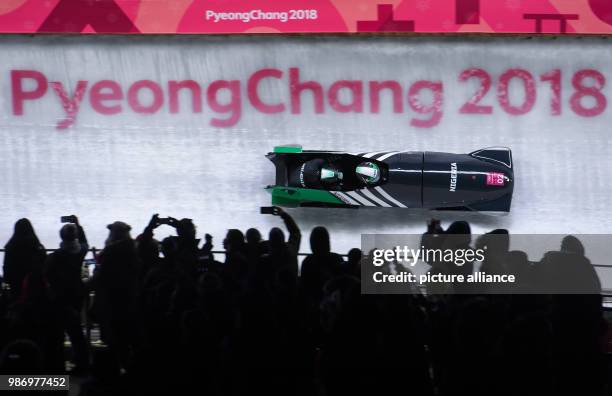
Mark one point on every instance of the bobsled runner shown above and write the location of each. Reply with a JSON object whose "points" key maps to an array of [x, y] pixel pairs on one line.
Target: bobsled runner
{"points": [[479, 181]]}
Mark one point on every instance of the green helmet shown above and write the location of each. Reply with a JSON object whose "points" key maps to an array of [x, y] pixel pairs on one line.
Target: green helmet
{"points": [[330, 175], [368, 172]]}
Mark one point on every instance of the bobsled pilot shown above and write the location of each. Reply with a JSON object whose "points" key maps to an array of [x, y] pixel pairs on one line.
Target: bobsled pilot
{"points": [[318, 173], [368, 173]]}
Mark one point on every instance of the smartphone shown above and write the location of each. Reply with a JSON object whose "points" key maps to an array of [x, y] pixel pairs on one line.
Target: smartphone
{"points": [[266, 210], [67, 219], [163, 220]]}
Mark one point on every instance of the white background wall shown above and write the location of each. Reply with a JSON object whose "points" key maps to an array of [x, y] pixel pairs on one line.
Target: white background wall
{"points": [[128, 166]]}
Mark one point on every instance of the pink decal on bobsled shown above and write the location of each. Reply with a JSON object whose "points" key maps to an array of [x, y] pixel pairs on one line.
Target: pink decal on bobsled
{"points": [[495, 179]]}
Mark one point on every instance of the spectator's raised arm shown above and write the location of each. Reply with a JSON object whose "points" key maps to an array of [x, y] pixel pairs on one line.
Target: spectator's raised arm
{"points": [[147, 233], [295, 236], [81, 236]]}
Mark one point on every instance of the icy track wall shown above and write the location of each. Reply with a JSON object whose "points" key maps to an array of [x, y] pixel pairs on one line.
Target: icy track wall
{"points": [[118, 128]]}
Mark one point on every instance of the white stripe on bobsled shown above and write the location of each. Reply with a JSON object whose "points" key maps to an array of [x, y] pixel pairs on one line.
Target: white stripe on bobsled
{"points": [[389, 197], [361, 199], [345, 198], [384, 157], [379, 196], [374, 198], [370, 155]]}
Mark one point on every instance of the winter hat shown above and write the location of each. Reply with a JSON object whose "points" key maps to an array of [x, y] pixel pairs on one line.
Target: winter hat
{"points": [[69, 232], [119, 226]]}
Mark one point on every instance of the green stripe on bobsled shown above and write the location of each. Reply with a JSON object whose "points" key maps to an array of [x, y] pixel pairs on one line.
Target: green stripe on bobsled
{"points": [[292, 196], [288, 149]]}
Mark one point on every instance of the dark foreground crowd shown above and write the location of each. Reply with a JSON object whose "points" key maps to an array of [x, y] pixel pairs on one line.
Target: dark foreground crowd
{"points": [[177, 320]]}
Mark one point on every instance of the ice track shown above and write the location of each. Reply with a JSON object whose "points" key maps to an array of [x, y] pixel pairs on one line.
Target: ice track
{"points": [[128, 166]]}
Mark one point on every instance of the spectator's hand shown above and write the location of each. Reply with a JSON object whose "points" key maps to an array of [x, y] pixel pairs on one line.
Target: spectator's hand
{"points": [[208, 245], [154, 222], [277, 211], [172, 222]]}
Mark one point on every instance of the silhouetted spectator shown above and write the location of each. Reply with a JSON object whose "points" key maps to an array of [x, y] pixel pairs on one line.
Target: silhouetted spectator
{"points": [[281, 254], [321, 265], [188, 253], [576, 317], [352, 266], [459, 237], [63, 271], [432, 238], [189, 257], [148, 247], [23, 255], [436, 239], [165, 267], [256, 247], [567, 271], [157, 294], [235, 268], [63, 267], [496, 245], [234, 244], [35, 316], [517, 264], [115, 285], [250, 325]]}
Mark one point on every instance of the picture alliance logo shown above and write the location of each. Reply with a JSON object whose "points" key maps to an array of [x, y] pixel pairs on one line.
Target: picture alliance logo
{"points": [[223, 101]]}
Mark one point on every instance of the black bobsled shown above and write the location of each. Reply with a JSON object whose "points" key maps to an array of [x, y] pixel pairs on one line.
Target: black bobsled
{"points": [[479, 181]]}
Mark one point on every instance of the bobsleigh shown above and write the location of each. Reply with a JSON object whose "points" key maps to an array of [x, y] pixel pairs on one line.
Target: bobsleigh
{"points": [[482, 180]]}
